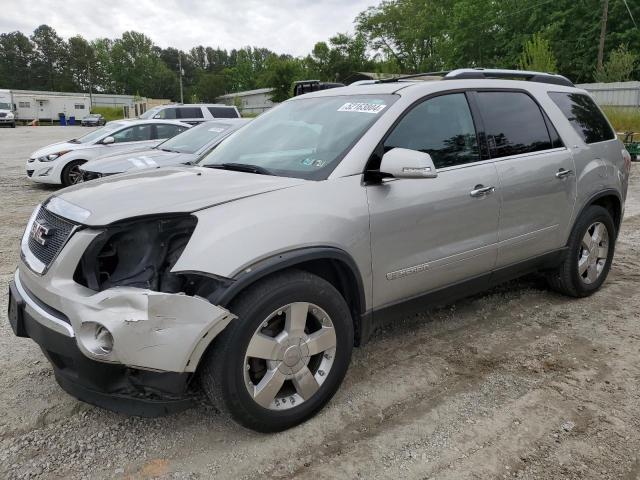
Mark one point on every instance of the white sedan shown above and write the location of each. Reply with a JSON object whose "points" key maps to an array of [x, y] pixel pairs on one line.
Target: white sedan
{"points": [[59, 163]]}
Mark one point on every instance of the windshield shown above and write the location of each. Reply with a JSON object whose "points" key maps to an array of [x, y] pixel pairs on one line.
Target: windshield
{"points": [[303, 138], [195, 138], [5, 106], [150, 113], [101, 132]]}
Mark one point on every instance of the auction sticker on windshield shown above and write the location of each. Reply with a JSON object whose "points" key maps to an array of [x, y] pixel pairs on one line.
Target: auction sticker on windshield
{"points": [[362, 107]]}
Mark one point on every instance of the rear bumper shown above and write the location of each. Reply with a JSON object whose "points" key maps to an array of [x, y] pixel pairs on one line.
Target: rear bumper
{"points": [[114, 387]]}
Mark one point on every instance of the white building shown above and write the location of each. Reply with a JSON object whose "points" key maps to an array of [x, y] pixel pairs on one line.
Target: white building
{"points": [[616, 94], [46, 106], [249, 101]]}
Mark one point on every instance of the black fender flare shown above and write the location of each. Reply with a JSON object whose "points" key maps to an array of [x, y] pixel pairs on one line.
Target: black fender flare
{"points": [[290, 259], [595, 197]]}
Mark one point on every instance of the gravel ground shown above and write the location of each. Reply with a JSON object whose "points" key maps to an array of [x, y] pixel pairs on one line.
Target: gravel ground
{"points": [[516, 383]]}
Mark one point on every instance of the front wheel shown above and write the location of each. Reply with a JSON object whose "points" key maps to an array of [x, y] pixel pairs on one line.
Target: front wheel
{"points": [[71, 173], [285, 355], [589, 254]]}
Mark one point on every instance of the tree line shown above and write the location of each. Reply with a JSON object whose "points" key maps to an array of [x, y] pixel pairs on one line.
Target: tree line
{"points": [[396, 36]]}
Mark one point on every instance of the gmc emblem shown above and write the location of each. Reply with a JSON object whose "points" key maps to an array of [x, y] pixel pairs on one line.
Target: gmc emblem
{"points": [[40, 232]]}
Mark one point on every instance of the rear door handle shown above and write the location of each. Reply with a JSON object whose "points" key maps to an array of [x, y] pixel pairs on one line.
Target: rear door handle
{"points": [[481, 191], [563, 173]]}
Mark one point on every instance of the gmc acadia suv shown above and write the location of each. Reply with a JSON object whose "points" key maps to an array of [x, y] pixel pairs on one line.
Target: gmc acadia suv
{"points": [[259, 269]]}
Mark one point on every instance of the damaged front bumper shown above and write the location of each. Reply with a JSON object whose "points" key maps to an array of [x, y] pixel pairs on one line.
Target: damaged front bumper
{"points": [[155, 340]]}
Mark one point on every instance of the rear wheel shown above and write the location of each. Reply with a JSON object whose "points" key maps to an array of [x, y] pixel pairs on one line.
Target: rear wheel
{"points": [[71, 173], [589, 255], [285, 355]]}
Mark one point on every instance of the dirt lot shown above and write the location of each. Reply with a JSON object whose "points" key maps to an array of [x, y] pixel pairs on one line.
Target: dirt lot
{"points": [[516, 383]]}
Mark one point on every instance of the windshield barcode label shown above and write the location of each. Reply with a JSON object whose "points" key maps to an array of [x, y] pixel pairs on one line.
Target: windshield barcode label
{"points": [[362, 107]]}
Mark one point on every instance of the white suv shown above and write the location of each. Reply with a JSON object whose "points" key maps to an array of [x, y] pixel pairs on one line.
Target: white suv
{"points": [[192, 113]]}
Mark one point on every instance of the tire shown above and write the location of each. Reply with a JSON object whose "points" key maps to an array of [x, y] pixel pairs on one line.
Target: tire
{"points": [[569, 278], [68, 173], [230, 376], [13, 125]]}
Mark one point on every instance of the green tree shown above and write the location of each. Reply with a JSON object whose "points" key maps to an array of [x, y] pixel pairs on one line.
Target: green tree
{"points": [[50, 55], [537, 55], [619, 67], [16, 56], [81, 62], [209, 86], [280, 75]]}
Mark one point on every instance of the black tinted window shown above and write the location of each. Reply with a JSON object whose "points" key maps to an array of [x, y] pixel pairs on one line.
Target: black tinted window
{"points": [[190, 112], [513, 123], [442, 127], [223, 112], [583, 114]]}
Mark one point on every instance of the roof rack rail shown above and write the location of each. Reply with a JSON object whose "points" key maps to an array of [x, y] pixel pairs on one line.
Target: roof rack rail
{"points": [[540, 77], [479, 73]]}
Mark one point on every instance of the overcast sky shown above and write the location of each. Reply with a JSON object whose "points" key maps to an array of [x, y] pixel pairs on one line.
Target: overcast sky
{"points": [[284, 26]]}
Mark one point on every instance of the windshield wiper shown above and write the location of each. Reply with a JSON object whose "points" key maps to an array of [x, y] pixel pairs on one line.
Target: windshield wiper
{"points": [[241, 167], [169, 150], [74, 140]]}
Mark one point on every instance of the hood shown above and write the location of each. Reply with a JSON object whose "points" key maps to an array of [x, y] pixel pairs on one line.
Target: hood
{"points": [[56, 147], [143, 159], [166, 190]]}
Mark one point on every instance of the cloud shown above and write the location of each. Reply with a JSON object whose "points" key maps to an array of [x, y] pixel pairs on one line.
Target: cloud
{"points": [[284, 26]]}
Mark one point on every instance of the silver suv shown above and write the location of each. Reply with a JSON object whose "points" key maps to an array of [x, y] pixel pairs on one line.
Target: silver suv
{"points": [[258, 270]]}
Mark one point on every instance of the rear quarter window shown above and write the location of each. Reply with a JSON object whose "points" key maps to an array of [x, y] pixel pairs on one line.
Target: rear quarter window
{"points": [[190, 112], [584, 115], [223, 112]]}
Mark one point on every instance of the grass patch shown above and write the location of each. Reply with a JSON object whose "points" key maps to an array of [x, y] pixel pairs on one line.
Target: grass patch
{"points": [[623, 119], [109, 113]]}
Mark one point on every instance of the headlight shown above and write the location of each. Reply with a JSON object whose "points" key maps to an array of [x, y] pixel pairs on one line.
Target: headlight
{"points": [[52, 156], [9, 115], [137, 253]]}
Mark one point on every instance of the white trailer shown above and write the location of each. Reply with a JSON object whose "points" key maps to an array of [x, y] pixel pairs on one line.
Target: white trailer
{"points": [[46, 106]]}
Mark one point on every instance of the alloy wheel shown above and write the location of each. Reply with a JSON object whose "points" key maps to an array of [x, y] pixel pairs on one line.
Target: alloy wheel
{"points": [[594, 251], [290, 356]]}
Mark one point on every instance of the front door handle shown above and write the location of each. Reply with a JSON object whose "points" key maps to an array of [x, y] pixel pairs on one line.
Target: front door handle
{"points": [[481, 191], [563, 173]]}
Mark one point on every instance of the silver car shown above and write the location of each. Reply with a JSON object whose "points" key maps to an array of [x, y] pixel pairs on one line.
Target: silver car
{"points": [[258, 270], [182, 149], [59, 163]]}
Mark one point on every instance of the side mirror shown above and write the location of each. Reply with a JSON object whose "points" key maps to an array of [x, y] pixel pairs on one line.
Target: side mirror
{"points": [[108, 140], [157, 115], [405, 163]]}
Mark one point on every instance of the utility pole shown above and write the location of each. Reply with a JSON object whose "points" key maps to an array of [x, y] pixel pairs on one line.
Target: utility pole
{"points": [[90, 89], [603, 33], [180, 74]]}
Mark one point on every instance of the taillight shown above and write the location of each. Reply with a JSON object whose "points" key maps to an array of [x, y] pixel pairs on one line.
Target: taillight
{"points": [[627, 160]]}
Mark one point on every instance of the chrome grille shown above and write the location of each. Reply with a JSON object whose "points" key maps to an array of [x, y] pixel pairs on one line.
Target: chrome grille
{"points": [[2, 114], [59, 232]]}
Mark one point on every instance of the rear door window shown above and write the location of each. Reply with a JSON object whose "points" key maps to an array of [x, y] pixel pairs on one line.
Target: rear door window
{"points": [[190, 112], [442, 127], [584, 115], [223, 112], [167, 131], [138, 133], [513, 123]]}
